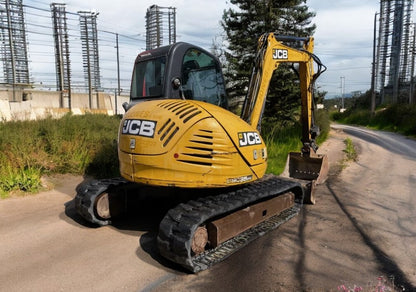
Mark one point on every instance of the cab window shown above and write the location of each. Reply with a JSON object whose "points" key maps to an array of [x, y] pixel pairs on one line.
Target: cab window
{"points": [[148, 78], [202, 78]]}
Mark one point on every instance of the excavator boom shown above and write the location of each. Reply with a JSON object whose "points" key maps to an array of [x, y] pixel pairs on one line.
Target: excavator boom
{"points": [[271, 52]]}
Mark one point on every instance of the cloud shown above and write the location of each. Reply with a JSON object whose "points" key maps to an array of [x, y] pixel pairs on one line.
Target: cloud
{"points": [[344, 43], [196, 21]]}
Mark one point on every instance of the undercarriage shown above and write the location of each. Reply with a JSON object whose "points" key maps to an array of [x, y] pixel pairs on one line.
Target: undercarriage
{"points": [[202, 231]]}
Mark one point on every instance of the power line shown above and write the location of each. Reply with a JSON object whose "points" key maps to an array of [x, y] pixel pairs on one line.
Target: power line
{"points": [[39, 31]]}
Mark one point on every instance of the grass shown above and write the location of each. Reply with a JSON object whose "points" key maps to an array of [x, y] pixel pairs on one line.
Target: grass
{"points": [[282, 140], [279, 143], [73, 144], [350, 150]]}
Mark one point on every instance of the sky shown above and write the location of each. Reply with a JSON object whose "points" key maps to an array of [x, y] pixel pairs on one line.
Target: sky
{"points": [[343, 38], [344, 43]]}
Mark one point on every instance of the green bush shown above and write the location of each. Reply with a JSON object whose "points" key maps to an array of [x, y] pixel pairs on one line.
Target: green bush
{"points": [[399, 118], [323, 121], [73, 144], [359, 117]]}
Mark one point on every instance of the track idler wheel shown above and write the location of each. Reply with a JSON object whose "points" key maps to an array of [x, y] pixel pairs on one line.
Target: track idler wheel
{"points": [[199, 240], [102, 206], [100, 201]]}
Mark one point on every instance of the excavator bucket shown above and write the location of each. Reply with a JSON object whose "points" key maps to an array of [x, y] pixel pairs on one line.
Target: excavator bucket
{"points": [[307, 167], [312, 170]]}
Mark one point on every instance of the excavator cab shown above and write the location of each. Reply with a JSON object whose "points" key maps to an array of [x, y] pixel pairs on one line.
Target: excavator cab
{"points": [[178, 71]]}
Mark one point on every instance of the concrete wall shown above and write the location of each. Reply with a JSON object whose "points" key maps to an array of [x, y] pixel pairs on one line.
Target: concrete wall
{"points": [[37, 104]]}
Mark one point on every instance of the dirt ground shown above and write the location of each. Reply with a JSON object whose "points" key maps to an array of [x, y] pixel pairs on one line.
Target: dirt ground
{"points": [[362, 227], [361, 233]]}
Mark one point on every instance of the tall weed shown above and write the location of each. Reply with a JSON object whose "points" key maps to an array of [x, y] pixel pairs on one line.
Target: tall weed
{"points": [[26, 180], [282, 140], [30, 149]]}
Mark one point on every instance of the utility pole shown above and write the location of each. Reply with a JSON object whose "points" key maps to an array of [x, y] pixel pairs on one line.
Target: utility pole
{"points": [[117, 58], [155, 18], [62, 60], [87, 44], [373, 70], [412, 68], [89, 39], [342, 91], [13, 45], [393, 64], [118, 66]]}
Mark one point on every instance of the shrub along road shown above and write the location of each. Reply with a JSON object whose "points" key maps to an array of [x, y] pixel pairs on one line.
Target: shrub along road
{"points": [[362, 227]]}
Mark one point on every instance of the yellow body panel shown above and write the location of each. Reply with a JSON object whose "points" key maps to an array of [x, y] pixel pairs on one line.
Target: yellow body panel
{"points": [[187, 143]]}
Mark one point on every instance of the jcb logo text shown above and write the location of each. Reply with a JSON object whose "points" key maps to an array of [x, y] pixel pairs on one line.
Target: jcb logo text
{"points": [[248, 139], [280, 54], [139, 128]]}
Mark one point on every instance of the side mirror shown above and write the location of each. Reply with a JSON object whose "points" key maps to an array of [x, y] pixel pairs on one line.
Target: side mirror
{"points": [[176, 83], [125, 105]]}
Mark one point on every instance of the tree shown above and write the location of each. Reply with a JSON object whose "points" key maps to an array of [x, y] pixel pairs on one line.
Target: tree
{"points": [[243, 26]]}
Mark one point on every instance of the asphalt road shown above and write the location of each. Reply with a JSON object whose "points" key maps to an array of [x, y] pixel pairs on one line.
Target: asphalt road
{"points": [[391, 142], [363, 227]]}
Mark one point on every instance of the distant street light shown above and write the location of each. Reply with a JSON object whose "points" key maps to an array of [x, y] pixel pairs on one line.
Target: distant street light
{"points": [[342, 91]]}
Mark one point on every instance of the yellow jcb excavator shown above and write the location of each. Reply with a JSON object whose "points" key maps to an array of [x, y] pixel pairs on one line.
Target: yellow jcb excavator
{"points": [[178, 136]]}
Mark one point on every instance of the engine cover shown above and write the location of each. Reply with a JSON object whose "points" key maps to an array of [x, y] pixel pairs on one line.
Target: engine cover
{"points": [[188, 143]]}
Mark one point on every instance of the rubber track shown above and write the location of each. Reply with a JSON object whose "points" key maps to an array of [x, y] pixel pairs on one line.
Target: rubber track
{"points": [[179, 224], [87, 193]]}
